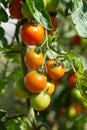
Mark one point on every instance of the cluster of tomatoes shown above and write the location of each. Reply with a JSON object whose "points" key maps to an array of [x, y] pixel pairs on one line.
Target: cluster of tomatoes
{"points": [[39, 83]]}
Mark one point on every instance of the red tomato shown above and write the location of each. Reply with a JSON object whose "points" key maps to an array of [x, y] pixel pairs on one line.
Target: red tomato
{"points": [[76, 40], [15, 7], [72, 79]]}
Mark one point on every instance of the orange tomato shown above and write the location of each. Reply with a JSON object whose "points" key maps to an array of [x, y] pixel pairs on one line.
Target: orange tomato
{"points": [[15, 7], [53, 71], [34, 81], [54, 22], [32, 34], [50, 87], [33, 59]]}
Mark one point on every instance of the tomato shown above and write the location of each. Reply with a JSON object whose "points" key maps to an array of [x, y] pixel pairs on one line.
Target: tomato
{"points": [[72, 112], [53, 71], [33, 59], [54, 21], [32, 34], [72, 79], [40, 101], [20, 90], [50, 87], [34, 81], [76, 94], [15, 9], [26, 12], [76, 40], [50, 5]]}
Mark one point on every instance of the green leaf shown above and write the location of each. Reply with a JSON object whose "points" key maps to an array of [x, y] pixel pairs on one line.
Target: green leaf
{"points": [[38, 11], [81, 84], [3, 115], [79, 17], [69, 8], [4, 2], [3, 15], [75, 59], [1, 32]]}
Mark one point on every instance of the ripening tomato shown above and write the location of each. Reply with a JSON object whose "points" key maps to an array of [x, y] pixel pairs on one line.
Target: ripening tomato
{"points": [[76, 40], [72, 79], [54, 22], [34, 81], [32, 34], [33, 59], [40, 101], [53, 71], [50, 87], [15, 9]]}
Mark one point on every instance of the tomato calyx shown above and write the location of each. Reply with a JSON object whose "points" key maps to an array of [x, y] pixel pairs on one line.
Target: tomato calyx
{"points": [[53, 13], [33, 21]]}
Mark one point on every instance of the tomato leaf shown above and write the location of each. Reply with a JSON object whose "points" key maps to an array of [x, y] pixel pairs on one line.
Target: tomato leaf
{"points": [[1, 32], [75, 59], [81, 84], [3, 15], [4, 2], [79, 17], [38, 11]]}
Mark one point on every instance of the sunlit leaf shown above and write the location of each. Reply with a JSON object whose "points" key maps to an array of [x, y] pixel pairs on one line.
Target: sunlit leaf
{"points": [[3, 15], [38, 11], [79, 17]]}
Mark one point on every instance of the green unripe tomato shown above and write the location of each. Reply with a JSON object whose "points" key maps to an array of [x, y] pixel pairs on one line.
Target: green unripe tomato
{"points": [[40, 101], [26, 12], [51, 5], [20, 90], [72, 112]]}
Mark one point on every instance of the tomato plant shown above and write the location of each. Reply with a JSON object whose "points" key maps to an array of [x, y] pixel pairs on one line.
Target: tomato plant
{"points": [[32, 34], [38, 50], [33, 59]]}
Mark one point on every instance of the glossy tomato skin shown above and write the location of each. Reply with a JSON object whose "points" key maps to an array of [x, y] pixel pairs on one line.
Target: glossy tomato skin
{"points": [[54, 22], [32, 34], [55, 72], [40, 101], [33, 59], [35, 82], [15, 7]]}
